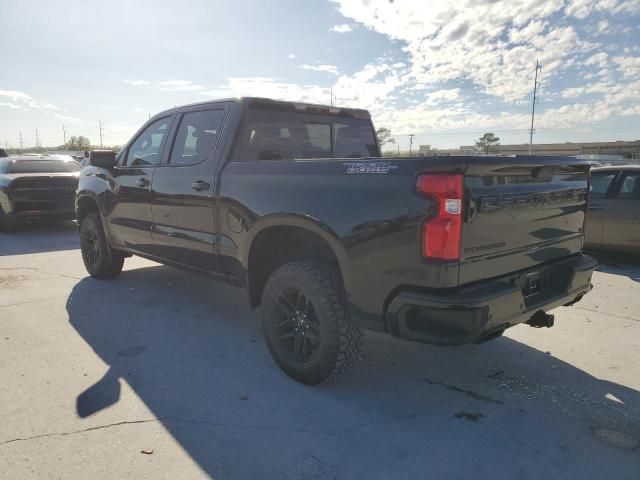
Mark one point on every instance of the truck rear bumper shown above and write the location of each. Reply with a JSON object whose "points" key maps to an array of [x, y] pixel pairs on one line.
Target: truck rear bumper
{"points": [[485, 309]]}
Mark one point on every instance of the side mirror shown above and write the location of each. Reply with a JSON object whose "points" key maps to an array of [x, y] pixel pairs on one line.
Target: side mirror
{"points": [[102, 158]]}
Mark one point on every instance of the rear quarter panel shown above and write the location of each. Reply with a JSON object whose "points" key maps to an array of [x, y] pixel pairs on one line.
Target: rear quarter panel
{"points": [[366, 211]]}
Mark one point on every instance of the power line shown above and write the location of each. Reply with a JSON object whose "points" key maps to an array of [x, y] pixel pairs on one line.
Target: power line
{"points": [[411, 137], [533, 104]]}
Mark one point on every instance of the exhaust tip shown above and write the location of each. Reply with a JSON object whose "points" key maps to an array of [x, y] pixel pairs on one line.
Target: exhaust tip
{"points": [[541, 319]]}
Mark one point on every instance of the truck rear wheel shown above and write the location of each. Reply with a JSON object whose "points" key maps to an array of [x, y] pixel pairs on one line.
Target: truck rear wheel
{"points": [[306, 323], [99, 259]]}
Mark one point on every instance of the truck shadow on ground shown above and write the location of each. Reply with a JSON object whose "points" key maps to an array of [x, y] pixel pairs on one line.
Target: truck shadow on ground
{"points": [[192, 350], [39, 237]]}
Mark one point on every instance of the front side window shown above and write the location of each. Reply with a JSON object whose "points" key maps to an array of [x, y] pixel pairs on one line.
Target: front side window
{"points": [[196, 137], [600, 183], [147, 149], [283, 135]]}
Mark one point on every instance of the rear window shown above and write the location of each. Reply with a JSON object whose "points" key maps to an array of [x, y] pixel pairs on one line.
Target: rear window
{"points": [[43, 166], [277, 135]]}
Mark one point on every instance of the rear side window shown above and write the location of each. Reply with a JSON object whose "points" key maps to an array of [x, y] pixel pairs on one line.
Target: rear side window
{"points": [[147, 149], [43, 166], [196, 137], [600, 183], [278, 135], [629, 186]]}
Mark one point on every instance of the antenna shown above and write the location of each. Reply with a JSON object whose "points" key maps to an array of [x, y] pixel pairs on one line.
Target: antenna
{"points": [[533, 107]]}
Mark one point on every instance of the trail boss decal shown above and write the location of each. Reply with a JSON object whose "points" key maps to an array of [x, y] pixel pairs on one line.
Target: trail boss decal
{"points": [[370, 167]]}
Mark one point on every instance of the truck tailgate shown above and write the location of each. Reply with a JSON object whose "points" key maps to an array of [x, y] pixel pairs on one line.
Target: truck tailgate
{"points": [[520, 213]]}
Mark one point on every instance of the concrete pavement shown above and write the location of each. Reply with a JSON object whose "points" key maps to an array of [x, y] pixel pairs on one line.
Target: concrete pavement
{"points": [[159, 361]]}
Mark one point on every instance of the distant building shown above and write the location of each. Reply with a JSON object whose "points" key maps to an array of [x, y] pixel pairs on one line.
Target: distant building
{"points": [[625, 149], [425, 150], [591, 150]]}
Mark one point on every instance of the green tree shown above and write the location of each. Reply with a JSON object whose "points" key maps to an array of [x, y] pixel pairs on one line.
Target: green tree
{"points": [[384, 136], [487, 141], [78, 143]]}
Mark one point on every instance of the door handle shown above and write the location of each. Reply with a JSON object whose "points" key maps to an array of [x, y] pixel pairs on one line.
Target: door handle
{"points": [[200, 185], [142, 182]]}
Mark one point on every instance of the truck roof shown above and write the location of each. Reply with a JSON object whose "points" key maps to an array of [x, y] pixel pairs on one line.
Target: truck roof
{"points": [[616, 168], [264, 102]]}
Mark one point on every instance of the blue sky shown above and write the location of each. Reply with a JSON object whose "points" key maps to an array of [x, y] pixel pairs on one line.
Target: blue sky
{"points": [[446, 71]]}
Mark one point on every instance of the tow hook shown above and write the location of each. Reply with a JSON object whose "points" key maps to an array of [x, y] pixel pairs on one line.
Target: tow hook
{"points": [[541, 319]]}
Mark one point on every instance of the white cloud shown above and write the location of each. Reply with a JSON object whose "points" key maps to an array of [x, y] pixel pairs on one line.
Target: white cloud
{"points": [[581, 9], [269, 87], [332, 69], [629, 66], [168, 85], [603, 27], [490, 48], [451, 43], [179, 86], [15, 95], [137, 83], [24, 101], [291, 56], [440, 96], [600, 59], [342, 28]]}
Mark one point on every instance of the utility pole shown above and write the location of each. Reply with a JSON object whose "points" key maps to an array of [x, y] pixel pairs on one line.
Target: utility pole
{"points": [[37, 139], [21, 147], [411, 135], [398, 149], [533, 106], [64, 134], [332, 95], [100, 123]]}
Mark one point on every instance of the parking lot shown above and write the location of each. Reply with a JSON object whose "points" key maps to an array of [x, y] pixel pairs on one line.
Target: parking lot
{"points": [[161, 374]]}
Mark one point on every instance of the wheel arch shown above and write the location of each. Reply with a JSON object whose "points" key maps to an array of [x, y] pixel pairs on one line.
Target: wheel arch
{"points": [[85, 204], [276, 240]]}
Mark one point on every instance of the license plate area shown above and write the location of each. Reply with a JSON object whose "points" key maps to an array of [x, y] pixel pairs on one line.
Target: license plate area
{"points": [[531, 284]]}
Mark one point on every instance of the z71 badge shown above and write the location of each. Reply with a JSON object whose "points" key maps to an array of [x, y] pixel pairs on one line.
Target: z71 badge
{"points": [[370, 167]]}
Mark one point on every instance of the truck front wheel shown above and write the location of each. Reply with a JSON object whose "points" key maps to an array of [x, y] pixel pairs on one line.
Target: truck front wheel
{"points": [[306, 322], [99, 259]]}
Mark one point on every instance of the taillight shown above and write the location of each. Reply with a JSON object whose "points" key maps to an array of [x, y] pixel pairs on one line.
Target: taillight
{"points": [[441, 233]]}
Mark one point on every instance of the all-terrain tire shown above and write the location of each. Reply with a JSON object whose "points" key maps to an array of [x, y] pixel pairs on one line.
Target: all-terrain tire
{"points": [[337, 344], [99, 259]]}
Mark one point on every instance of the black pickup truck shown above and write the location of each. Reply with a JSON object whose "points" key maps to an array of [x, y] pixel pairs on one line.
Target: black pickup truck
{"points": [[294, 203]]}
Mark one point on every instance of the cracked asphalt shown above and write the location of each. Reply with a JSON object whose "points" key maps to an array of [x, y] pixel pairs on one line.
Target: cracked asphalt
{"points": [[161, 374]]}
